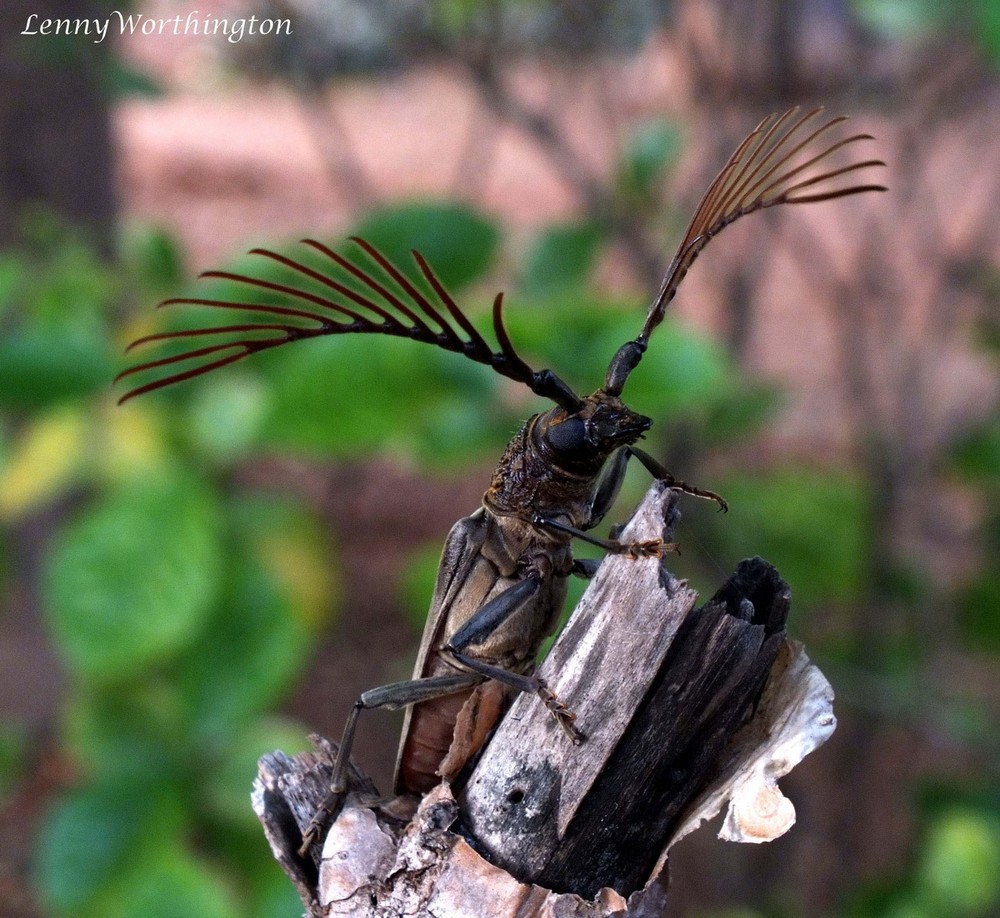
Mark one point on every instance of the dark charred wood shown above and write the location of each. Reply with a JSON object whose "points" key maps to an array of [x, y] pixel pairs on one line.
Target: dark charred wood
{"points": [[712, 677]]}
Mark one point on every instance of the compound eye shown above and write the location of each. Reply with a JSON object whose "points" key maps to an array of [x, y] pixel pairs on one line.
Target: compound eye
{"points": [[568, 437]]}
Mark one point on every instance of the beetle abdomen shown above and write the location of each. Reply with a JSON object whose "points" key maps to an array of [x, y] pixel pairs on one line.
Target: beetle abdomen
{"points": [[431, 730]]}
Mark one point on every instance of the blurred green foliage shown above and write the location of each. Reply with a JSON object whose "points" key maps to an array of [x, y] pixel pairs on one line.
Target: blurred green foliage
{"points": [[917, 19], [14, 756], [955, 869], [651, 151], [177, 602], [560, 259], [976, 459], [814, 521]]}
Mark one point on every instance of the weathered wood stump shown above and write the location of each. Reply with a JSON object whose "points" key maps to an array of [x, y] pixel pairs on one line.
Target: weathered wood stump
{"points": [[683, 708]]}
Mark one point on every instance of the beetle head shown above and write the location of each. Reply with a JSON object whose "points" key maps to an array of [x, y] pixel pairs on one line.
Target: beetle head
{"points": [[584, 438]]}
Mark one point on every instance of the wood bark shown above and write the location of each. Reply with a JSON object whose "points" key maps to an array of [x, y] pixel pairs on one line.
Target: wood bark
{"points": [[685, 709]]}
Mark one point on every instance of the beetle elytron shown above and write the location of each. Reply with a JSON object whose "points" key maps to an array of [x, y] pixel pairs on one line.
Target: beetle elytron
{"points": [[502, 578]]}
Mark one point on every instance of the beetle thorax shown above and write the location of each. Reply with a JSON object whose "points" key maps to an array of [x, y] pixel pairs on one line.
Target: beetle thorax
{"points": [[552, 464]]}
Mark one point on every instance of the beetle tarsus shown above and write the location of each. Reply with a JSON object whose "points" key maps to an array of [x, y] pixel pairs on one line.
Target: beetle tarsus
{"points": [[325, 814], [563, 715], [651, 548], [701, 492]]}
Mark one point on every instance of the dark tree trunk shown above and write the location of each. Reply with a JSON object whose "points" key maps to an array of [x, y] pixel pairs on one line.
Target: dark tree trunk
{"points": [[55, 129]]}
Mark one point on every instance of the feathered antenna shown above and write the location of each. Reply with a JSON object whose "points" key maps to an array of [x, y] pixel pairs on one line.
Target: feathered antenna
{"points": [[405, 312], [754, 178], [761, 173]]}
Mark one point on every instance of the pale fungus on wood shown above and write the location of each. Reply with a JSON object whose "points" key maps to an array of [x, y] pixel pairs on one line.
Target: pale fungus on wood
{"points": [[685, 710]]}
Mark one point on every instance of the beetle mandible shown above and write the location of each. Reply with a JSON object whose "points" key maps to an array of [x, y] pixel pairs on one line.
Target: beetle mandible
{"points": [[502, 578]]}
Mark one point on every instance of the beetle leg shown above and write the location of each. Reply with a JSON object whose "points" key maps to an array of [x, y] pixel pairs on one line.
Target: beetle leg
{"points": [[661, 474], [493, 614], [484, 623], [651, 548], [608, 487], [391, 697], [530, 684], [585, 568]]}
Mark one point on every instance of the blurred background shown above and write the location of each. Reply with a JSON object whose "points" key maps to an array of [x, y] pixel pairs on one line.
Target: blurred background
{"points": [[215, 570]]}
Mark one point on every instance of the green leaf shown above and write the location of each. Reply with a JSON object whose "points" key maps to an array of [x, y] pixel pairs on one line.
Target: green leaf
{"points": [[88, 835], [979, 616], [977, 456], [681, 374], [561, 258], [168, 882], [273, 895], [458, 242], [352, 396], [227, 413], [885, 899], [247, 658], [154, 258], [116, 735], [280, 588], [908, 905], [294, 549], [986, 15], [742, 411], [14, 756], [131, 582], [460, 428], [227, 791], [961, 863], [897, 20], [120, 80], [66, 285], [574, 334], [345, 397], [13, 267], [39, 367]]}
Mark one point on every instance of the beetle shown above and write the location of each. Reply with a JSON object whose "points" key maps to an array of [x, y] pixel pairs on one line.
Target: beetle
{"points": [[502, 578]]}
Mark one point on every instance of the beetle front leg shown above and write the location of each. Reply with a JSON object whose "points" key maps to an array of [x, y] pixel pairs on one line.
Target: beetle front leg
{"points": [[661, 474], [392, 697], [608, 487]]}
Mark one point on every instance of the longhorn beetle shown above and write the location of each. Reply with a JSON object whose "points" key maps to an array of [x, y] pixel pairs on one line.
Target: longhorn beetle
{"points": [[502, 578]]}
